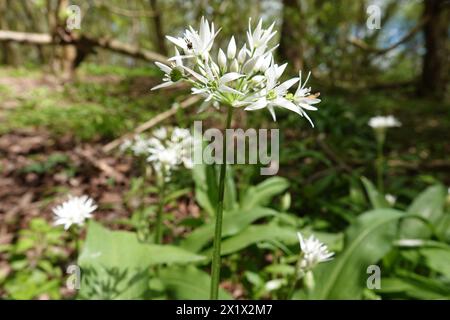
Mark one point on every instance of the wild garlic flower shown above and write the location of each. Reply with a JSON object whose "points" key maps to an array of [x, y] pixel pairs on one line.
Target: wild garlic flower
{"points": [[391, 199], [74, 211], [247, 77], [167, 152], [312, 252], [139, 146], [173, 74], [382, 122]]}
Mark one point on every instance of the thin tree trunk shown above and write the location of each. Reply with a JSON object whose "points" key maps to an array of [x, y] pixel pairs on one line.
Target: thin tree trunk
{"points": [[8, 56], [34, 27], [435, 65], [291, 45], [158, 25]]}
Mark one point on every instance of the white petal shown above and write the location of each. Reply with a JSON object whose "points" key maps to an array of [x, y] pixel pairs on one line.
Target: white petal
{"points": [[284, 103], [178, 41], [307, 106], [227, 89], [163, 67], [272, 113], [231, 76], [196, 75], [260, 104], [162, 85], [286, 85]]}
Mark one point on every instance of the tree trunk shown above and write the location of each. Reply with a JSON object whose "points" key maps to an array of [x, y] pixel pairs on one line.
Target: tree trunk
{"points": [[435, 61], [158, 25], [7, 51], [292, 32]]}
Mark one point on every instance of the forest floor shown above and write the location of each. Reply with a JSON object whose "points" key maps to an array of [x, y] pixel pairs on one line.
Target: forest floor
{"points": [[52, 136], [51, 140]]}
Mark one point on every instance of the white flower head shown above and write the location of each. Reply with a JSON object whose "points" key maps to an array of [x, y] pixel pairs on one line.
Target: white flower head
{"points": [[248, 77], [167, 152], [391, 199], [125, 145], [382, 122], [172, 74], [313, 252], [74, 211], [139, 146], [196, 43], [304, 99]]}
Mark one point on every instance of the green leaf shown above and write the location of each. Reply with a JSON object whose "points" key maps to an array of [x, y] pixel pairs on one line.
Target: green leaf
{"points": [[233, 223], [255, 234], [115, 264], [271, 233], [414, 286], [428, 205], [437, 259], [262, 194], [377, 199], [206, 178], [206, 186], [367, 241], [230, 194], [188, 283]]}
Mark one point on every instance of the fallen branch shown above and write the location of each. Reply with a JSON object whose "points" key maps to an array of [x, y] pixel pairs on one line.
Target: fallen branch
{"points": [[81, 41], [151, 123], [100, 164]]}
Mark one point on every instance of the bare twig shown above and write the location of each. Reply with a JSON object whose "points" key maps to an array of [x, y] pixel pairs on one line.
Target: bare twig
{"points": [[151, 123], [100, 164], [380, 51]]}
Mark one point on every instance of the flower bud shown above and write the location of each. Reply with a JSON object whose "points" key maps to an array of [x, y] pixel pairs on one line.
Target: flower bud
{"points": [[231, 51], [234, 66], [242, 54], [222, 59]]}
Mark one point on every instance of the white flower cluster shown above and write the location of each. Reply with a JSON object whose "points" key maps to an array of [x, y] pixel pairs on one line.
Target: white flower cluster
{"points": [[248, 77], [74, 211], [164, 151], [382, 122], [313, 252]]}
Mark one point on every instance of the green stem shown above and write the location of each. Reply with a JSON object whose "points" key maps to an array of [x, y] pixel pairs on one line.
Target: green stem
{"points": [[380, 167], [215, 264], [159, 212], [75, 234], [291, 291]]}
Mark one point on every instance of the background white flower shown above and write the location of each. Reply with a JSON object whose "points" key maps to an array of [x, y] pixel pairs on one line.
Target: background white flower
{"points": [[312, 253], [391, 199], [382, 122], [74, 211]]}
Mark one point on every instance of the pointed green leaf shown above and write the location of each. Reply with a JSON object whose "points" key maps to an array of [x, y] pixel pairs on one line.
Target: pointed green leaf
{"points": [[367, 241]]}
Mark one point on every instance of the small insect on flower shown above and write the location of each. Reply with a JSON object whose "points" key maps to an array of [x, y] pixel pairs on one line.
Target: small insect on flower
{"points": [[74, 211], [312, 252]]}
